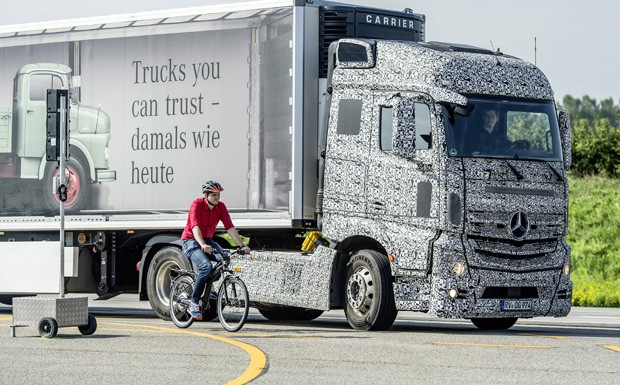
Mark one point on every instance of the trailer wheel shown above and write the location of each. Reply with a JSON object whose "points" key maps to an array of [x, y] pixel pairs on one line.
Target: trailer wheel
{"points": [[368, 293], [288, 313], [77, 182], [48, 327], [90, 327], [158, 278], [494, 323]]}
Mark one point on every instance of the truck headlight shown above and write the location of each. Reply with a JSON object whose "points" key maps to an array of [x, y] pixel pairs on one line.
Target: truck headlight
{"points": [[459, 268], [106, 153], [566, 269]]}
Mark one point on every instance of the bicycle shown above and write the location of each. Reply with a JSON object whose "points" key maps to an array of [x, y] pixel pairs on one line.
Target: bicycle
{"points": [[232, 304]]}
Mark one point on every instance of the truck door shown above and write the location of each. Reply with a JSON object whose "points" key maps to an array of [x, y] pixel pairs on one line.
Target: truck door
{"points": [[404, 190], [347, 155], [35, 112]]}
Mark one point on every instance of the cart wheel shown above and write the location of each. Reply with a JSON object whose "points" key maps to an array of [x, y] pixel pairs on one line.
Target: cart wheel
{"points": [[48, 327], [90, 327]]}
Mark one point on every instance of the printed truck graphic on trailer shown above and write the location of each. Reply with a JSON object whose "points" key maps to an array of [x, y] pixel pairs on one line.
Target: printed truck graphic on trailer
{"points": [[22, 144]]}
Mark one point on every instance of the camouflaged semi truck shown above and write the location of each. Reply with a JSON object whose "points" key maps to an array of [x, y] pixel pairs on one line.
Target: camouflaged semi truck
{"points": [[419, 213], [355, 163]]}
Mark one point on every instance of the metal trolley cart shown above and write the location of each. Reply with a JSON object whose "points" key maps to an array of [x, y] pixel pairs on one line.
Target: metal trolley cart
{"points": [[50, 313]]}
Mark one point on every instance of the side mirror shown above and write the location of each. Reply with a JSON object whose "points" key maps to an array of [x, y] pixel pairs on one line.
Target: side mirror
{"points": [[565, 126], [403, 139]]}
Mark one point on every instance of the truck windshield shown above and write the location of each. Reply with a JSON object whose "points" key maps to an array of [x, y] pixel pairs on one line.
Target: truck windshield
{"points": [[504, 128]]}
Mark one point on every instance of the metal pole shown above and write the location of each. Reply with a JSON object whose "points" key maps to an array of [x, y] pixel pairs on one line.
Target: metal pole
{"points": [[63, 150]]}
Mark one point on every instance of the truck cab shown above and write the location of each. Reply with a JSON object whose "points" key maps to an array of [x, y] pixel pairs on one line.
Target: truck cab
{"points": [[472, 230], [23, 151]]}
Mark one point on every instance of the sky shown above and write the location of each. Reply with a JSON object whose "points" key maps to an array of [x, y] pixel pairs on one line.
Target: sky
{"points": [[576, 42]]}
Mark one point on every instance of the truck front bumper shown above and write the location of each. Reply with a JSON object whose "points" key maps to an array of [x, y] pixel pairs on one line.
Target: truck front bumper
{"points": [[552, 295]]}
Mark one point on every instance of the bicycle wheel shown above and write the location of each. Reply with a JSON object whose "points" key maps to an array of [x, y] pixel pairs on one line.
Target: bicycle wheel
{"points": [[233, 304], [180, 297]]}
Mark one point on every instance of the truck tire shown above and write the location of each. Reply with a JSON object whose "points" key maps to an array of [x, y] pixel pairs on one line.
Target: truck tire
{"points": [[368, 293], [494, 323], [158, 278], [288, 313], [78, 186]]}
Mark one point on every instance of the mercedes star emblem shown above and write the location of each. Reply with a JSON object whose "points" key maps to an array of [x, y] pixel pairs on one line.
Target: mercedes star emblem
{"points": [[519, 225]]}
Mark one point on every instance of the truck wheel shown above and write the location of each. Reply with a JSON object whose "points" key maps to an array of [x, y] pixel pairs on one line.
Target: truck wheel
{"points": [[368, 293], [78, 186], [288, 313], [494, 323], [158, 278]]}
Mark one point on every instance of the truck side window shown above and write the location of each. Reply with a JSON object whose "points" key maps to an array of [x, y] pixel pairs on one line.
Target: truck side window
{"points": [[423, 136], [349, 116], [386, 128], [39, 84]]}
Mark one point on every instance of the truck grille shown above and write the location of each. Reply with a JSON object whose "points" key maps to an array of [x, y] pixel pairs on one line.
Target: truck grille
{"points": [[489, 235], [510, 249]]}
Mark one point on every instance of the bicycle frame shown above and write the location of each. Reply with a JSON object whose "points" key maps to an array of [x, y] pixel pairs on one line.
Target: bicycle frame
{"points": [[229, 281]]}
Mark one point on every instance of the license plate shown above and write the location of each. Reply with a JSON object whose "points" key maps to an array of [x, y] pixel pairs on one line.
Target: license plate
{"points": [[508, 304]]}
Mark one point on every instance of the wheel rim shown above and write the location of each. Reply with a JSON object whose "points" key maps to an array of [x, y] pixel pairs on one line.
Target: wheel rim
{"points": [[46, 327], [162, 279], [360, 291], [73, 183]]}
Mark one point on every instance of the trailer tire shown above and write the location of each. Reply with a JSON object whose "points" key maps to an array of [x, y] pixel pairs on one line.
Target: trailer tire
{"points": [[288, 313], [493, 323], [78, 186], [158, 278], [368, 293]]}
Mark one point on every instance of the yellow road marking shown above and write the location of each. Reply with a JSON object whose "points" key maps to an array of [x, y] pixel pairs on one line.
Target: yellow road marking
{"points": [[6, 318], [493, 345], [258, 360], [257, 335], [612, 347], [542, 336]]}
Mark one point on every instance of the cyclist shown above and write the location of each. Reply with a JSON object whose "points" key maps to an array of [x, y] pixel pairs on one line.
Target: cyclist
{"points": [[204, 215]]}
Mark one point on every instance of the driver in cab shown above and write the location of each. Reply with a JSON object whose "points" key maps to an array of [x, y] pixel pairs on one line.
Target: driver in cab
{"points": [[488, 138]]}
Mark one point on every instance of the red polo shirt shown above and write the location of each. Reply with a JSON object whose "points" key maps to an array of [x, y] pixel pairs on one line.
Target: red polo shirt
{"points": [[207, 220]]}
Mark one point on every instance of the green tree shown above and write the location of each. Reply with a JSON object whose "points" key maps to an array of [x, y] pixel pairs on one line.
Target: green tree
{"points": [[610, 111], [595, 148], [589, 109]]}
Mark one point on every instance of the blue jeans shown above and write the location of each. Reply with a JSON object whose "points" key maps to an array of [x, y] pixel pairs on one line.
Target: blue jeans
{"points": [[202, 260]]}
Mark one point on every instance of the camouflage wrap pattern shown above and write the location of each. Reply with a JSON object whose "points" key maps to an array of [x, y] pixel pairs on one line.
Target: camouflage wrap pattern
{"points": [[290, 279], [472, 201]]}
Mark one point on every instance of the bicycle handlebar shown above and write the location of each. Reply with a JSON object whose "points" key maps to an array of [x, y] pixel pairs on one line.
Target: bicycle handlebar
{"points": [[229, 253]]}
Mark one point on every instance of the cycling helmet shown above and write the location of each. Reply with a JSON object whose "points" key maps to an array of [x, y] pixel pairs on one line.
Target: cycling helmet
{"points": [[211, 186]]}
